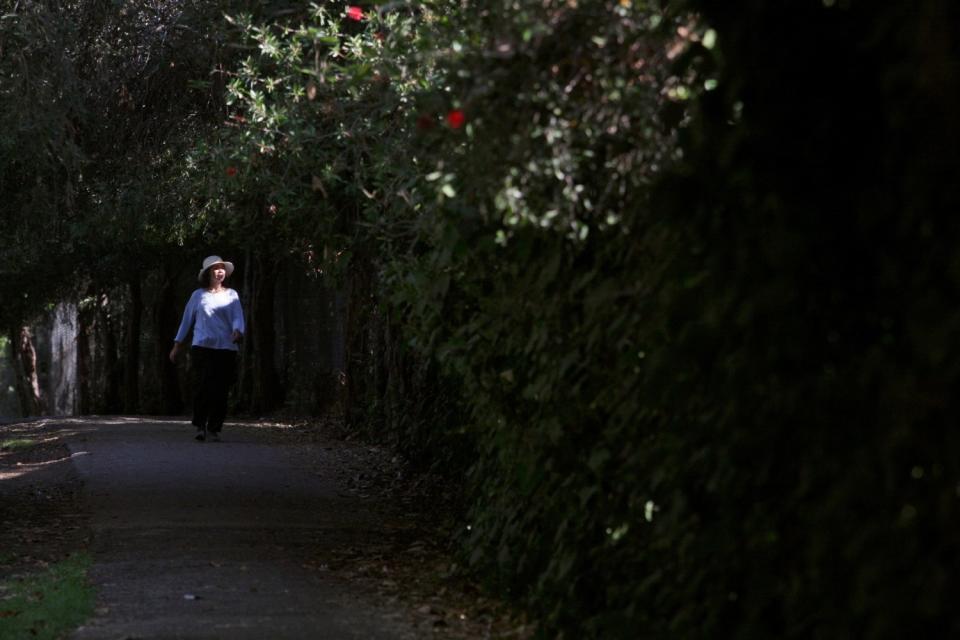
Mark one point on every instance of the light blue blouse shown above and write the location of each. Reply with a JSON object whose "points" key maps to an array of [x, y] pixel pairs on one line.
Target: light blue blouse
{"points": [[213, 317]]}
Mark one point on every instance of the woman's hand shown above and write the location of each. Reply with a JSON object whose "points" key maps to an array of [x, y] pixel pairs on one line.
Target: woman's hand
{"points": [[236, 336], [174, 352]]}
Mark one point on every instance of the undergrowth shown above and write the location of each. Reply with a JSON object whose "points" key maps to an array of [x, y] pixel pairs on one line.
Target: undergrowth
{"points": [[46, 605]]}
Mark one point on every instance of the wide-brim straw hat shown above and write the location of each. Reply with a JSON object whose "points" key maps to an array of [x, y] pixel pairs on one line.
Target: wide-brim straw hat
{"points": [[209, 261]]}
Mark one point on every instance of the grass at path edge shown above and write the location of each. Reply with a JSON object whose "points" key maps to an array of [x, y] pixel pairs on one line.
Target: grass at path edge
{"points": [[17, 444], [43, 606]]}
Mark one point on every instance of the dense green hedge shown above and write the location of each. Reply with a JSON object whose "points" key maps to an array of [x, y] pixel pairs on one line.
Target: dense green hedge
{"points": [[820, 231], [729, 413]]}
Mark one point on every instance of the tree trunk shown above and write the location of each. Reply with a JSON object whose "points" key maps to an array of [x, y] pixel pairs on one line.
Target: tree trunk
{"points": [[265, 390], [111, 360], [166, 319], [244, 389], [131, 358], [23, 357], [85, 335], [356, 344]]}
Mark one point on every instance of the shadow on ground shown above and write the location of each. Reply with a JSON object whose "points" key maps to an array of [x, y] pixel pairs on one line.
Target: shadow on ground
{"points": [[280, 530]]}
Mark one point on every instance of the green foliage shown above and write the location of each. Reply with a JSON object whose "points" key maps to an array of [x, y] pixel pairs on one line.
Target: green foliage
{"points": [[534, 290], [47, 605], [17, 443], [288, 170], [690, 370], [814, 477], [314, 163], [37, 181]]}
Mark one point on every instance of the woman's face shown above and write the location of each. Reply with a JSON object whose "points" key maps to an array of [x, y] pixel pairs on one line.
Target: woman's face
{"points": [[217, 275]]}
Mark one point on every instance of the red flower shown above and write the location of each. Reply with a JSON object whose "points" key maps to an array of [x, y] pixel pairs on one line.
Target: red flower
{"points": [[456, 118], [231, 171], [355, 13]]}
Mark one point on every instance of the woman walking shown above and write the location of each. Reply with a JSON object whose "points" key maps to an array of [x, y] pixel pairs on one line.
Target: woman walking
{"points": [[216, 317]]}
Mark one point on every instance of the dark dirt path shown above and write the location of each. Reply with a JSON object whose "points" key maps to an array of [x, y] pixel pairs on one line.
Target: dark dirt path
{"points": [[209, 540], [280, 531]]}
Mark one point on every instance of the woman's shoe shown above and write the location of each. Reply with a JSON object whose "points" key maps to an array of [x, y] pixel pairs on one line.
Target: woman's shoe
{"points": [[201, 435]]}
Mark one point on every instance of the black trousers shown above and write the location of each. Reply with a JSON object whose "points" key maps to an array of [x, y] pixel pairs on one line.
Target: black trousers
{"points": [[214, 371]]}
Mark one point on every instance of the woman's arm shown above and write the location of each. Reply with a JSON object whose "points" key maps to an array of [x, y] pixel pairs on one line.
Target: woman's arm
{"points": [[236, 319], [186, 323]]}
